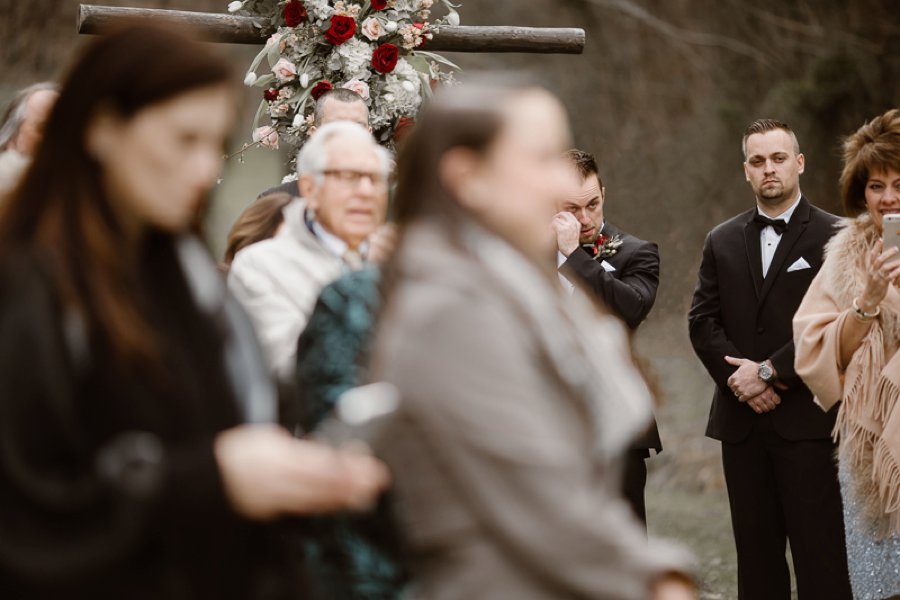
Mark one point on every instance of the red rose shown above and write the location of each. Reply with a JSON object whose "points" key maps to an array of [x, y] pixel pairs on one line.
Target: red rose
{"points": [[270, 95], [342, 29], [384, 59], [294, 13], [379, 4], [320, 88]]}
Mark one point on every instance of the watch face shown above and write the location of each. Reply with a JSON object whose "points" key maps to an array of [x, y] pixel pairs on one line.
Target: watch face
{"points": [[765, 372]]}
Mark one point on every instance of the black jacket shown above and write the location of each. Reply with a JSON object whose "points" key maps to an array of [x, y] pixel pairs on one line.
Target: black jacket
{"points": [[629, 291], [736, 312], [88, 509]]}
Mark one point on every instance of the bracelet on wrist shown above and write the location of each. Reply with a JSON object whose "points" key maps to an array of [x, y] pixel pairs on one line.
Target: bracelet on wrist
{"points": [[861, 314]]}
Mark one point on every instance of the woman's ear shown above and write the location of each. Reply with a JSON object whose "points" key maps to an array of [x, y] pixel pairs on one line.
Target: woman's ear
{"points": [[100, 135], [457, 171]]}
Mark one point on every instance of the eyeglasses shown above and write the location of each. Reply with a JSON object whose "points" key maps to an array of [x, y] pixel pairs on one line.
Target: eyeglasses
{"points": [[351, 178]]}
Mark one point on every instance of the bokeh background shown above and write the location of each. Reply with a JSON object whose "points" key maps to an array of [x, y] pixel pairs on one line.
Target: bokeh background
{"points": [[661, 95]]}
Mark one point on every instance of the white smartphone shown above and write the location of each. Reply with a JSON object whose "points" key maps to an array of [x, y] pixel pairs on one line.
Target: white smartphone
{"points": [[359, 415], [891, 231]]}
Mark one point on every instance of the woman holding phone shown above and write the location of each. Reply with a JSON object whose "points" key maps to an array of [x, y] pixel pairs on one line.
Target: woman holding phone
{"points": [[847, 333]]}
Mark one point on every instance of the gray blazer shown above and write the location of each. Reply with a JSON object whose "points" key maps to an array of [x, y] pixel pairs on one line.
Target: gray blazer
{"points": [[516, 407]]}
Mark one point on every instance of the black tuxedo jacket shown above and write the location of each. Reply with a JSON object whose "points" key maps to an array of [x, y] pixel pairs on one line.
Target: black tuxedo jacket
{"points": [[737, 312], [629, 291]]}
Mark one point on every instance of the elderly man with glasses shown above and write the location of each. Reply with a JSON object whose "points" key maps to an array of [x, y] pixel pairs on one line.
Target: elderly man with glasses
{"points": [[335, 227]]}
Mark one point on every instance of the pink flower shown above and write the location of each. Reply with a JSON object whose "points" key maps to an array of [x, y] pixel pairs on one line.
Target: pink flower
{"points": [[284, 70], [266, 136], [360, 87], [372, 28]]}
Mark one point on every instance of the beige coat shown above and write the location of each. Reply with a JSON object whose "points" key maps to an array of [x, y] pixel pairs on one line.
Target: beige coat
{"points": [[868, 424], [278, 281], [517, 403]]}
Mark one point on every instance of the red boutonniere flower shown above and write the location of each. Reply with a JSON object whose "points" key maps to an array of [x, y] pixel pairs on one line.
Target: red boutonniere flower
{"points": [[605, 246], [379, 4], [384, 59], [294, 13], [320, 88], [342, 29]]}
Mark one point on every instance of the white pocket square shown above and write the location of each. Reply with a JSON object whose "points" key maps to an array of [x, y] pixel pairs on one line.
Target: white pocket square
{"points": [[799, 265], [609, 268]]}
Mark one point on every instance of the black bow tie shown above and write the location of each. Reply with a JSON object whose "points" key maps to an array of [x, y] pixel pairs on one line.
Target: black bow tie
{"points": [[779, 225]]}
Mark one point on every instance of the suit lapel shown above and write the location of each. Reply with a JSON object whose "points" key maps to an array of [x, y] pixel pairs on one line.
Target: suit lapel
{"points": [[798, 224], [754, 253]]}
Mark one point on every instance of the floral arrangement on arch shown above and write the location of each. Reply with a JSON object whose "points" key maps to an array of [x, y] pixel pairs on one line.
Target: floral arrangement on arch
{"points": [[377, 48]]}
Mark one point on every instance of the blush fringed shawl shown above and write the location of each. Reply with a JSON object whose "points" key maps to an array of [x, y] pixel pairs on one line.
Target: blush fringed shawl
{"points": [[868, 424]]}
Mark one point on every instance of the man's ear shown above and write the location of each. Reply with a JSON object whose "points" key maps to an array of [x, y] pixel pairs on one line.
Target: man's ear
{"points": [[307, 186], [801, 162], [746, 171]]}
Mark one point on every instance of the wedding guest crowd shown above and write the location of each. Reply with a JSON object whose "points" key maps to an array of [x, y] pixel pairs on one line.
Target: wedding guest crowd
{"points": [[167, 428]]}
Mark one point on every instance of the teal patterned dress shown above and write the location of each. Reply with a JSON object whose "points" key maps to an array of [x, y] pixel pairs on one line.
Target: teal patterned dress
{"points": [[348, 556]]}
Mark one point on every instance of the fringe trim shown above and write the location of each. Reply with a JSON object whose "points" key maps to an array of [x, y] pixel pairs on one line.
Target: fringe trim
{"points": [[861, 418]]}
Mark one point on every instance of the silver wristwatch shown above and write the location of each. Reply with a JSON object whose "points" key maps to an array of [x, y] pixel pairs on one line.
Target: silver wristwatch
{"points": [[765, 372]]}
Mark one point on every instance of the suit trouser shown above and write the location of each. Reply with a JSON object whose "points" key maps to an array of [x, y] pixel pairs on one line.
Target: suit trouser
{"points": [[784, 490], [634, 481]]}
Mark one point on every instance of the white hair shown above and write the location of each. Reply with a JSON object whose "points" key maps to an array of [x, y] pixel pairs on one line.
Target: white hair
{"points": [[313, 156], [15, 113]]}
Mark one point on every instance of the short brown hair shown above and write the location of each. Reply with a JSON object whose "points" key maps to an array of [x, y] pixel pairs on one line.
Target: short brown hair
{"points": [[874, 147], [584, 163], [765, 126]]}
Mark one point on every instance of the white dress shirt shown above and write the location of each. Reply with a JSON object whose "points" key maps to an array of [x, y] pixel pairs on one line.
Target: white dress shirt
{"points": [[769, 238], [562, 258]]}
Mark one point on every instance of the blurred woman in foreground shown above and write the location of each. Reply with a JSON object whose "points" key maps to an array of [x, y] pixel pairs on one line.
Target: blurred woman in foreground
{"points": [[127, 370], [517, 400]]}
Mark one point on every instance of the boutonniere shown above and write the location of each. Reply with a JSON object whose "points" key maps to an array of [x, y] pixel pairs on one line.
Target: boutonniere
{"points": [[606, 246]]}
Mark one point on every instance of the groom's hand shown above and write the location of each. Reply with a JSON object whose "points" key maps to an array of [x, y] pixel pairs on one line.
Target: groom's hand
{"points": [[745, 382], [765, 402], [568, 232]]}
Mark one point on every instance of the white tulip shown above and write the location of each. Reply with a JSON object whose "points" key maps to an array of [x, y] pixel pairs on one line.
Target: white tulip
{"points": [[235, 6], [250, 79], [298, 120], [391, 26], [453, 18], [409, 86], [304, 80]]}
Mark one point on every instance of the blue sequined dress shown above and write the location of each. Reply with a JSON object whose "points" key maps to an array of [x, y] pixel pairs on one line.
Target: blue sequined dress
{"points": [[874, 562]]}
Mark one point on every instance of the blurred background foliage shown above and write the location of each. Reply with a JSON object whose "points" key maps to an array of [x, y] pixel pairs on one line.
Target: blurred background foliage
{"points": [[661, 95]]}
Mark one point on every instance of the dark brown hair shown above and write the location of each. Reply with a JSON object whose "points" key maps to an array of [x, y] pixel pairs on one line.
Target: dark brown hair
{"points": [[874, 147], [258, 222], [765, 126], [584, 163], [61, 209]]}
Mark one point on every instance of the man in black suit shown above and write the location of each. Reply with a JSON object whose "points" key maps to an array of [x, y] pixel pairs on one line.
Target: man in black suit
{"points": [[777, 452], [623, 272]]}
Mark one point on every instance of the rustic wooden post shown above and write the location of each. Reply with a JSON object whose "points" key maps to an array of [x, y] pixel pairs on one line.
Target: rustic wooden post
{"points": [[231, 29]]}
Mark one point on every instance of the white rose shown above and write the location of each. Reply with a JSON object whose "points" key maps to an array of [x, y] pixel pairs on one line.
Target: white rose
{"points": [[372, 28], [284, 70], [266, 136], [235, 6], [360, 87], [250, 79]]}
